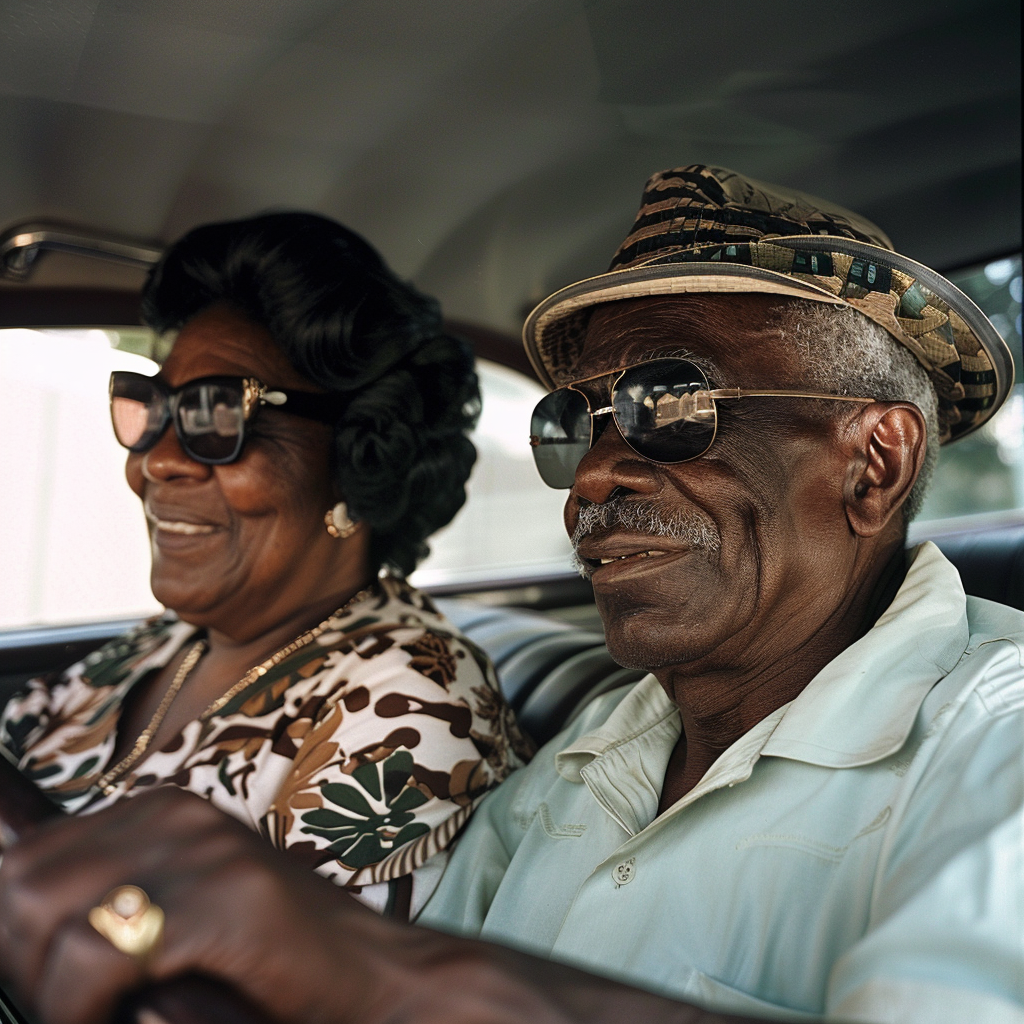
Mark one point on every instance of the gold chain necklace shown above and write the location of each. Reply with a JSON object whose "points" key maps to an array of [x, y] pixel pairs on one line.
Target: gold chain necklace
{"points": [[264, 667], [197, 650]]}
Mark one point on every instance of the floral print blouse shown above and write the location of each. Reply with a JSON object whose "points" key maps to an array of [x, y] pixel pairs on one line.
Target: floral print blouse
{"points": [[363, 752]]}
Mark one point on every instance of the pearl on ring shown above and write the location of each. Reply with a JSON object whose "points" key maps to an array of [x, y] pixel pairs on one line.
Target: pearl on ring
{"points": [[129, 921]]}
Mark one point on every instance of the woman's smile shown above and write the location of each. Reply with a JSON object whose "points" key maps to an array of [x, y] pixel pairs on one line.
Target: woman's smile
{"points": [[177, 536], [177, 528], [189, 529]]}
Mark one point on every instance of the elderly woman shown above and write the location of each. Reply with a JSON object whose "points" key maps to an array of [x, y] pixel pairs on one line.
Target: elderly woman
{"points": [[304, 436]]}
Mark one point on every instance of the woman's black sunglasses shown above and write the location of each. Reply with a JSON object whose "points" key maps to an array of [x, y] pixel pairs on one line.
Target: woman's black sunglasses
{"points": [[664, 409], [210, 414]]}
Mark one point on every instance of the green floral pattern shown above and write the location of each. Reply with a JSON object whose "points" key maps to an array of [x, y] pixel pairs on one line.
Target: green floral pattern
{"points": [[363, 753], [372, 815]]}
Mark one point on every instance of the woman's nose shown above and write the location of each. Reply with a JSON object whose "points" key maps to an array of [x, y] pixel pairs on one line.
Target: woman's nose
{"points": [[167, 460]]}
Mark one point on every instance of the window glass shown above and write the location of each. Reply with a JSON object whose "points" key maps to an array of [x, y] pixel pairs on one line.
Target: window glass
{"points": [[511, 526], [73, 540], [984, 472]]}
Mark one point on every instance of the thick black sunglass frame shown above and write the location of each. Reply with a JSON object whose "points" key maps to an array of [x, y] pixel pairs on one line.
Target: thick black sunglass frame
{"points": [[163, 405], [557, 475]]}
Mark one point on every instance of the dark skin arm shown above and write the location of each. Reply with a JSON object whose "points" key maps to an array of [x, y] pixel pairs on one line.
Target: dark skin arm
{"points": [[293, 943]]}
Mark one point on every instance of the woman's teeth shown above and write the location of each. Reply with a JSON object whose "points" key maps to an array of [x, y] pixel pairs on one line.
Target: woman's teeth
{"points": [[188, 528]]}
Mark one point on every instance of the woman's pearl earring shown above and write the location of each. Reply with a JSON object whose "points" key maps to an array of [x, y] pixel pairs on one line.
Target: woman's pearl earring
{"points": [[339, 523]]}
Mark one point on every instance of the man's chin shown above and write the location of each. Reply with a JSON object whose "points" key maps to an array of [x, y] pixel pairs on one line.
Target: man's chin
{"points": [[646, 638], [635, 653]]}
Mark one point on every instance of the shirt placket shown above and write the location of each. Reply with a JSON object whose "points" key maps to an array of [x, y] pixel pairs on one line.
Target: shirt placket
{"points": [[735, 766]]}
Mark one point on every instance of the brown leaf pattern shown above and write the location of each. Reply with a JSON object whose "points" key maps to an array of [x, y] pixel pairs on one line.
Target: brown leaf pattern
{"points": [[362, 753]]}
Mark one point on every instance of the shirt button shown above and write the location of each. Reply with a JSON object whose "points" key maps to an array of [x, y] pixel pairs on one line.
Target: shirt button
{"points": [[624, 872]]}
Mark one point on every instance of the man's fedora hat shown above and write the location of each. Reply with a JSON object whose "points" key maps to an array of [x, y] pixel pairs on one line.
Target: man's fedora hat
{"points": [[707, 229]]}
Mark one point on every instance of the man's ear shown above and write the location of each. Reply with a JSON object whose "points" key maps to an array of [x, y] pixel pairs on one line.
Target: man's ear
{"points": [[887, 447]]}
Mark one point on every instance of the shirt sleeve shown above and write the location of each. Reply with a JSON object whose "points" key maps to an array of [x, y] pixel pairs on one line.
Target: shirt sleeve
{"points": [[476, 867], [946, 936], [396, 760]]}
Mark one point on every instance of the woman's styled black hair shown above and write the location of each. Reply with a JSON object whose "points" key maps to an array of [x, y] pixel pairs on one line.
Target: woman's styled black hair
{"points": [[401, 456]]}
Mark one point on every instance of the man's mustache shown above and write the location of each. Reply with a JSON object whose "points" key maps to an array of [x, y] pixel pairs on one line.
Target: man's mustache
{"points": [[643, 515]]}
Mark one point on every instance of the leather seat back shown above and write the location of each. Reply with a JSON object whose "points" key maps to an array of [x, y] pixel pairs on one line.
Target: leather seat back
{"points": [[990, 561]]}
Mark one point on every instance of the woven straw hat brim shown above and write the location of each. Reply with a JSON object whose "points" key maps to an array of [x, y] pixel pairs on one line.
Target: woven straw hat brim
{"points": [[554, 331], [649, 282]]}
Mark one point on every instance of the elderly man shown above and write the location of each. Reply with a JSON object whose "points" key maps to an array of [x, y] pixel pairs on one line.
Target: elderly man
{"points": [[810, 810]]}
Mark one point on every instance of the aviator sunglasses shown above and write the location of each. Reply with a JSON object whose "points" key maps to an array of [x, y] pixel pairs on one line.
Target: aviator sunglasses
{"points": [[210, 414], [664, 409]]}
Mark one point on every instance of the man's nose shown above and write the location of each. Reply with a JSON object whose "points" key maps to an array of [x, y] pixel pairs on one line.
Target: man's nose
{"points": [[612, 468]]}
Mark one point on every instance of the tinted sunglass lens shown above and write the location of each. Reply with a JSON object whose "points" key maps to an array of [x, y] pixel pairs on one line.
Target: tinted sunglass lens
{"points": [[560, 436], [137, 410], [211, 421], [663, 410]]}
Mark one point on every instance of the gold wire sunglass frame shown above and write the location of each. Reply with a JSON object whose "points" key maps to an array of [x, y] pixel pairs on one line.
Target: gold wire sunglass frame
{"points": [[712, 394]]}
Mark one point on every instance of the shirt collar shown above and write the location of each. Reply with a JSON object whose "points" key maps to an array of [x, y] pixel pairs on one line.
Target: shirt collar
{"points": [[858, 709], [644, 708], [862, 705]]}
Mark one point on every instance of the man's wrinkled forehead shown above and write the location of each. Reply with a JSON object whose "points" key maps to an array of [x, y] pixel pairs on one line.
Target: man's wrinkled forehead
{"points": [[731, 338]]}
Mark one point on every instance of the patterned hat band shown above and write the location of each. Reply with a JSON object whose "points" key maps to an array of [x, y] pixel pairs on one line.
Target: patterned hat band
{"points": [[790, 254]]}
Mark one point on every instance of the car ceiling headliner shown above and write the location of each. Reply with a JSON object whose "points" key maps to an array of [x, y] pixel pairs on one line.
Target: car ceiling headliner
{"points": [[495, 151]]}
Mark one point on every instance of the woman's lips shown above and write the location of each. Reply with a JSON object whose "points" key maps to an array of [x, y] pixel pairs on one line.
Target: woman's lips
{"points": [[178, 536], [174, 528]]}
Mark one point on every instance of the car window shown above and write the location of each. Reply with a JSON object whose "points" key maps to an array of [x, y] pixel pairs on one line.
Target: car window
{"points": [[511, 524], [73, 542], [984, 472]]}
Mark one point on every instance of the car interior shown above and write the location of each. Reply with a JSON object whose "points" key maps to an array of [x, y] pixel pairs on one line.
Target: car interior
{"points": [[492, 153]]}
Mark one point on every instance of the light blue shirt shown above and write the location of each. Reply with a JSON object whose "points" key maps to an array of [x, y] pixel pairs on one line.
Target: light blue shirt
{"points": [[856, 856]]}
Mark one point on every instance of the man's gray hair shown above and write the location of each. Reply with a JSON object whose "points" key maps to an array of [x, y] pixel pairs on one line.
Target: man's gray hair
{"points": [[845, 353]]}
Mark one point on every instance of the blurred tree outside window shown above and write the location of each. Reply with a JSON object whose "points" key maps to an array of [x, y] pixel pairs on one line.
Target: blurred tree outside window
{"points": [[984, 472]]}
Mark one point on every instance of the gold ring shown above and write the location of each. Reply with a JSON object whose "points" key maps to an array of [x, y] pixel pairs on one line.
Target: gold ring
{"points": [[129, 921]]}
